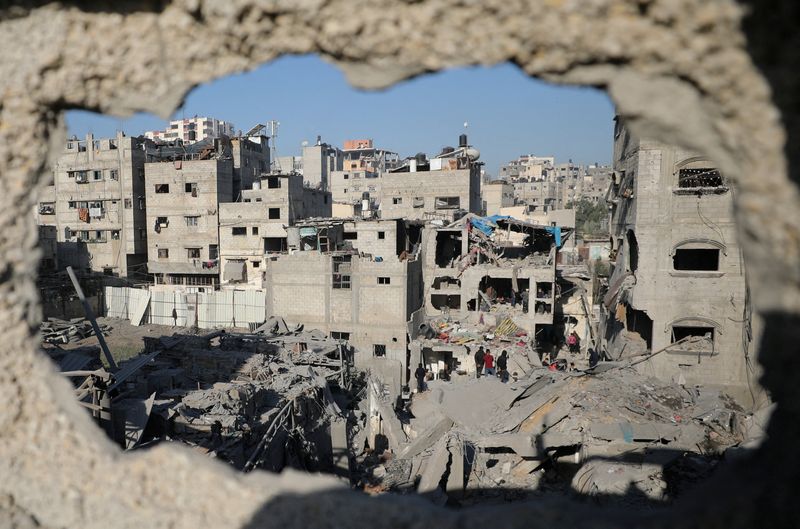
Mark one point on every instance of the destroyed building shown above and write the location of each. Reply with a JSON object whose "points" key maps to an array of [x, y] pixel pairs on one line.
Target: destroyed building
{"points": [[259, 400], [677, 267], [484, 272], [98, 204], [617, 437]]}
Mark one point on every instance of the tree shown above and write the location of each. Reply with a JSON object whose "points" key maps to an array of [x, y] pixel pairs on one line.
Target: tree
{"points": [[590, 218]]}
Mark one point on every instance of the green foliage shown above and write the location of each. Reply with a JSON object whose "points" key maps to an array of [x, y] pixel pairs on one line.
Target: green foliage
{"points": [[589, 217]]}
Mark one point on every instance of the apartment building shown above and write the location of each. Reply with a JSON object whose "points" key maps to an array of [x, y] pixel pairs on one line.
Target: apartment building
{"points": [[191, 130], [444, 187], [256, 227], [528, 167], [677, 266], [496, 195], [97, 205], [251, 158], [319, 160], [359, 181], [183, 196], [539, 195]]}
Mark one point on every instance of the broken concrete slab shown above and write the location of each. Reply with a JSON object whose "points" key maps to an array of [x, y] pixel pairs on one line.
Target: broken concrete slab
{"points": [[427, 438], [435, 468]]}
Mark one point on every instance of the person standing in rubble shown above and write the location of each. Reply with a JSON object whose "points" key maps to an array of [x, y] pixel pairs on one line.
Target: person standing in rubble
{"points": [[488, 361], [419, 374], [480, 356], [574, 342], [594, 358], [502, 366]]}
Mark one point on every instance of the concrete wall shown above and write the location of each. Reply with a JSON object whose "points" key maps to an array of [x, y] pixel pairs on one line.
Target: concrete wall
{"points": [[349, 186], [496, 196], [300, 289], [728, 91], [251, 157]]}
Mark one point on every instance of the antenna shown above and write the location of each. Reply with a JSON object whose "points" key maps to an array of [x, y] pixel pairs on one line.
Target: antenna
{"points": [[273, 133]]}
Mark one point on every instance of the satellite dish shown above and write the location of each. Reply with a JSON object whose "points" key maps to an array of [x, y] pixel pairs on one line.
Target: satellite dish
{"points": [[304, 143], [466, 124]]}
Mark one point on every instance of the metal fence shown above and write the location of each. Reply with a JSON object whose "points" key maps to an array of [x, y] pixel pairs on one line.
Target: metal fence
{"points": [[209, 310]]}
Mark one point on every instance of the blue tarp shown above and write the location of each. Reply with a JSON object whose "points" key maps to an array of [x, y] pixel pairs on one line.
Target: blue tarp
{"points": [[556, 231], [487, 225]]}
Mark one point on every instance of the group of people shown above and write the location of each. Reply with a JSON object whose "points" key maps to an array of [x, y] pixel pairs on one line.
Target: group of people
{"points": [[485, 363]]}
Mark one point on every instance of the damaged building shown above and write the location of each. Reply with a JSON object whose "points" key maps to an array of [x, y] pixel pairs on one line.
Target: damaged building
{"points": [[493, 275], [358, 281], [677, 268], [268, 399]]}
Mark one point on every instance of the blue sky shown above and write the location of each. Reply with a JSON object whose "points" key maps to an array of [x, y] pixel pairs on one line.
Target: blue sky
{"points": [[508, 113]]}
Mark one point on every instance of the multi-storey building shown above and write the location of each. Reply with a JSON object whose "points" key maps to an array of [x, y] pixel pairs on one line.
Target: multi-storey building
{"points": [[98, 204], [497, 194], [446, 186], [183, 196], [527, 167], [318, 162], [335, 281], [539, 195], [678, 271], [251, 158], [191, 130], [256, 227]]}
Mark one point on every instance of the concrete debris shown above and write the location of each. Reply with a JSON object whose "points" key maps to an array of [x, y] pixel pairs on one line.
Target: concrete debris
{"points": [[618, 436], [267, 399], [58, 331]]}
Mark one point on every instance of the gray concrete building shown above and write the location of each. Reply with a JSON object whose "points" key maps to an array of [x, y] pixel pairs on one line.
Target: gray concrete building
{"points": [[444, 187], [496, 195], [357, 281], [98, 204], [251, 230], [318, 162], [539, 195], [183, 197], [677, 269], [251, 158]]}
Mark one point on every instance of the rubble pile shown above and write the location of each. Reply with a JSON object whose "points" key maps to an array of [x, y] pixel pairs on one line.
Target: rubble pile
{"points": [[58, 331], [258, 400], [615, 436]]}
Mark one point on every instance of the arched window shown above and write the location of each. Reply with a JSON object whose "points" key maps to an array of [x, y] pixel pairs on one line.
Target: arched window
{"points": [[694, 334], [697, 255], [698, 175]]}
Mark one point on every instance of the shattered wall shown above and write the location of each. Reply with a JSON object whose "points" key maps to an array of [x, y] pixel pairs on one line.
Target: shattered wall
{"points": [[679, 70]]}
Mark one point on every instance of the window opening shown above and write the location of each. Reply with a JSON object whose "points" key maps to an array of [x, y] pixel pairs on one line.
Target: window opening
{"points": [[696, 259]]}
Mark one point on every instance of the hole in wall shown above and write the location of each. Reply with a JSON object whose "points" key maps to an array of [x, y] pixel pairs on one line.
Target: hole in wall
{"points": [[415, 134]]}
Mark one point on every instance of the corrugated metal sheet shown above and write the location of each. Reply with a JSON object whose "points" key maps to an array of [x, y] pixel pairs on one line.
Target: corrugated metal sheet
{"points": [[161, 305], [116, 302], [222, 309], [249, 306]]}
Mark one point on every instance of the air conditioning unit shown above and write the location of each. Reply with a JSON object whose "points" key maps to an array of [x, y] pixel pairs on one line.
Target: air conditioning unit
{"points": [[82, 178]]}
